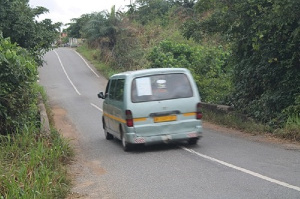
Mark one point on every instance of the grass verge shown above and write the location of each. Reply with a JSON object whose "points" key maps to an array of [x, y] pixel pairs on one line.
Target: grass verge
{"points": [[291, 131], [33, 165], [93, 56]]}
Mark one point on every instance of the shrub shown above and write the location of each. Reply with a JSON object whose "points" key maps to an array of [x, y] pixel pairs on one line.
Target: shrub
{"points": [[17, 87], [207, 64]]}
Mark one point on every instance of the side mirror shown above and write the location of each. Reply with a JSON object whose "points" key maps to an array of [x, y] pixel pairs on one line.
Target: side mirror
{"points": [[101, 95]]}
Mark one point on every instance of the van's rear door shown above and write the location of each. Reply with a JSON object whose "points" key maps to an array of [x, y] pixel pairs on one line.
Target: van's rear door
{"points": [[163, 104]]}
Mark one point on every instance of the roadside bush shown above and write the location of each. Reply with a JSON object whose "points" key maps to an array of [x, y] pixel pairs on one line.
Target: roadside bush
{"points": [[18, 94], [129, 51], [265, 37], [207, 64]]}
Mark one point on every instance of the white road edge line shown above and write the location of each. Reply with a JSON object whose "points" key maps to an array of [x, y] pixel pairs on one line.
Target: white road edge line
{"points": [[284, 184], [87, 64], [96, 107], [61, 64]]}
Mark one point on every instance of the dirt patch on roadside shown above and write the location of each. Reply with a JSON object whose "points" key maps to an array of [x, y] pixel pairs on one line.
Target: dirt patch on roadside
{"points": [[63, 125], [83, 172]]}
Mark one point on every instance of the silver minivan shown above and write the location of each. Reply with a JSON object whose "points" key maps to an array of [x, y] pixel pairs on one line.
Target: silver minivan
{"points": [[152, 106]]}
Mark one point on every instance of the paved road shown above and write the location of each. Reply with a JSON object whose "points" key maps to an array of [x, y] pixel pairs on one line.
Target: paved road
{"points": [[220, 166]]}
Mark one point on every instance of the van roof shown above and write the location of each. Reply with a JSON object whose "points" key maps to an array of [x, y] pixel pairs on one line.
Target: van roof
{"points": [[151, 71]]}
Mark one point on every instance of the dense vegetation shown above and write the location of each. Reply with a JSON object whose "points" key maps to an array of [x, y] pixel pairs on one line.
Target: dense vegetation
{"points": [[18, 95], [265, 37], [241, 53], [17, 21], [31, 164], [23, 42]]}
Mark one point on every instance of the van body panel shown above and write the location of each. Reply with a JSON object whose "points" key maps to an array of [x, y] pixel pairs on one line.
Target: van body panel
{"points": [[182, 109], [162, 110]]}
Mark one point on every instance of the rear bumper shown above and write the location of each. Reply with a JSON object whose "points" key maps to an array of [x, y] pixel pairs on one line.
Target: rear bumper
{"points": [[170, 137]]}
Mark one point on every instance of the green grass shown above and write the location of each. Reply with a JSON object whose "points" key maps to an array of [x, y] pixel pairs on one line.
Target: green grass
{"points": [[235, 121], [33, 166], [93, 56], [291, 131]]}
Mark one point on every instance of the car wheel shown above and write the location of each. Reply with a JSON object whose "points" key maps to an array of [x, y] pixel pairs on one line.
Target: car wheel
{"points": [[192, 141], [108, 136], [126, 146]]}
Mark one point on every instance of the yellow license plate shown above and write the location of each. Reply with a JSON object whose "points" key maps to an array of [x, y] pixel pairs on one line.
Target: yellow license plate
{"points": [[165, 118]]}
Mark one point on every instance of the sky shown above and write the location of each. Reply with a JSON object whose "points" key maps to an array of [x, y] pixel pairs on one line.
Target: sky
{"points": [[65, 10]]}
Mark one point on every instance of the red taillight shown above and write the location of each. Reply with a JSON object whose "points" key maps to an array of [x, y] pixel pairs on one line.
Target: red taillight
{"points": [[129, 119], [199, 112]]}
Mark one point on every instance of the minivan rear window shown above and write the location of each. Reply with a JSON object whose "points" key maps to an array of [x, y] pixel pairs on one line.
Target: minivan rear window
{"points": [[160, 87]]}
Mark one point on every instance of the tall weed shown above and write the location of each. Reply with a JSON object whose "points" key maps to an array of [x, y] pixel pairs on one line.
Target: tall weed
{"points": [[32, 165], [291, 129]]}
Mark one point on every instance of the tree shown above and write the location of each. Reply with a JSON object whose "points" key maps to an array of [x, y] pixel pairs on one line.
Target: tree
{"points": [[265, 37], [102, 28], [149, 10], [17, 21], [75, 28], [23, 41]]}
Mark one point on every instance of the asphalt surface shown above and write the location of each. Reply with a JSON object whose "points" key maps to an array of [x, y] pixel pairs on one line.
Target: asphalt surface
{"points": [[221, 165]]}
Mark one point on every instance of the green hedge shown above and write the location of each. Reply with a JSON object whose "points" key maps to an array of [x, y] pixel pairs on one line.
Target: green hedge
{"points": [[17, 87]]}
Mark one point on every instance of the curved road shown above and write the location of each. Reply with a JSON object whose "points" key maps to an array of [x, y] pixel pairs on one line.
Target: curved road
{"points": [[222, 165]]}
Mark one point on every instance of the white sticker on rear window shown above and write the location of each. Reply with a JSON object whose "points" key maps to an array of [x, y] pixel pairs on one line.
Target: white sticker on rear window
{"points": [[161, 83], [143, 86]]}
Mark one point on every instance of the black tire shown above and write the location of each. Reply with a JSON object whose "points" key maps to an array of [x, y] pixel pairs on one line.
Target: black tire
{"points": [[108, 136], [192, 141], [126, 146]]}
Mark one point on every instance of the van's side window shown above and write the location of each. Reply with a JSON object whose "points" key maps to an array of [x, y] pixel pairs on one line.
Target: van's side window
{"points": [[106, 89], [112, 87], [119, 91], [116, 90]]}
